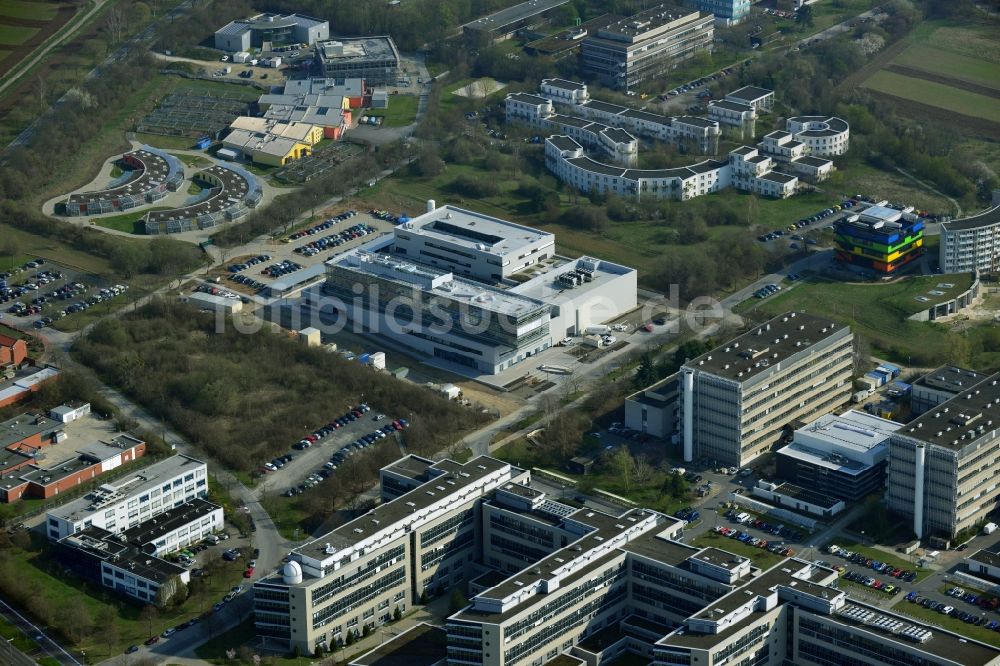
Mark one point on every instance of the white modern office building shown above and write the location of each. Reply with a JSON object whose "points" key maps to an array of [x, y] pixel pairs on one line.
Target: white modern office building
{"points": [[132, 499], [733, 403], [632, 50], [971, 243], [470, 290], [242, 34], [760, 99], [839, 455], [471, 244], [943, 465]]}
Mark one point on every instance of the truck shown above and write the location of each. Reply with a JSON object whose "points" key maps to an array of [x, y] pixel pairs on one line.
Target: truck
{"points": [[989, 528], [599, 329]]}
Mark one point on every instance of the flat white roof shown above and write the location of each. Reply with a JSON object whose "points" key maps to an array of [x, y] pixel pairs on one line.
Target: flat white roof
{"points": [[880, 214], [436, 282], [852, 428], [545, 286], [475, 231]]}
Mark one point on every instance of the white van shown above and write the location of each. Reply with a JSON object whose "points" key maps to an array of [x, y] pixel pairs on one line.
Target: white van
{"points": [[742, 517]]}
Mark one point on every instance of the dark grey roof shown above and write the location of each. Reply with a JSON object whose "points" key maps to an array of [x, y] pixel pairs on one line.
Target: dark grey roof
{"points": [[777, 177], [168, 521], [750, 93], [605, 106], [619, 135], [646, 115], [968, 417], [775, 341], [505, 17], [563, 142], [695, 121], [597, 167], [984, 219], [731, 105], [811, 161], [564, 84], [528, 98], [707, 165]]}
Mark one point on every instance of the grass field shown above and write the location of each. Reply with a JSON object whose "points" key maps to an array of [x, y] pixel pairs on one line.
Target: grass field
{"points": [[935, 94], [61, 253], [954, 624], [761, 557], [875, 554], [937, 61], [402, 111], [130, 223], [12, 35], [192, 160], [878, 313], [39, 11], [48, 582], [977, 41]]}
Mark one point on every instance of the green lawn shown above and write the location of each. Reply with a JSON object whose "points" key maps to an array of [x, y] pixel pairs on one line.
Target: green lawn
{"points": [[402, 111], [760, 557], [874, 553], [938, 61], [192, 160], [49, 582], [935, 94], [879, 313], [948, 623], [977, 41], [53, 250], [12, 35], [40, 11], [131, 223], [3, 54]]}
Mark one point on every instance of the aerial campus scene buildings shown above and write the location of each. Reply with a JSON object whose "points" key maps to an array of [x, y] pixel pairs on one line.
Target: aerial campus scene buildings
{"points": [[657, 334]]}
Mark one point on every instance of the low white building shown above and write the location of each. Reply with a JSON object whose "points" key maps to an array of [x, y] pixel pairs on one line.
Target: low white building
{"points": [[132, 499], [177, 528], [734, 114], [70, 412], [795, 155]]}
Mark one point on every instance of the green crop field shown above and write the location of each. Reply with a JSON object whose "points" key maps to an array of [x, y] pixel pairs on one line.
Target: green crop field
{"points": [[972, 40], [935, 94], [12, 35], [945, 63], [39, 11]]}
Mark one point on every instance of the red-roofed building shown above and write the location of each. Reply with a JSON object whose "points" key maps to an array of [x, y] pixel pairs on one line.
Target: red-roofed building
{"points": [[12, 351]]}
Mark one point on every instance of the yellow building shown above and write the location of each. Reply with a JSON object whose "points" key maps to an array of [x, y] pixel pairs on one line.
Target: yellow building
{"points": [[272, 143]]}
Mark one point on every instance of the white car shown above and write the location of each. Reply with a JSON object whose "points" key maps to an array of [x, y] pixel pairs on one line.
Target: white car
{"points": [[566, 342], [609, 340], [224, 58]]}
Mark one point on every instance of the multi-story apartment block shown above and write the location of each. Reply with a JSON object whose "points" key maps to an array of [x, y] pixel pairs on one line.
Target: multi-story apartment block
{"points": [[632, 50], [177, 528], [943, 467], [940, 385], [726, 12], [824, 136], [738, 115], [842, 456], [132, 499], [760, 99], [754, 172], [971, 243], [879, 238], [736, 399]]}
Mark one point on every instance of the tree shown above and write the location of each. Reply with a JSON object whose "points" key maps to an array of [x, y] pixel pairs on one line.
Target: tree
{"points": [[109, 628], [11, 248], [429, 164], [645, 374], [806, 16], [624, 465], [149, 614], [397, 614], [457, 601], [78, 621]]}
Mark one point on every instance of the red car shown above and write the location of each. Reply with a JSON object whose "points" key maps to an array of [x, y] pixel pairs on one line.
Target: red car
{"points": [[153, 640], [248, 573]]}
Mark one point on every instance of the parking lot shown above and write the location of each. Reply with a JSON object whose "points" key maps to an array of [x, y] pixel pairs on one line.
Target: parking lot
{"points": [[320, 452], [39, 293], [284, 256]]}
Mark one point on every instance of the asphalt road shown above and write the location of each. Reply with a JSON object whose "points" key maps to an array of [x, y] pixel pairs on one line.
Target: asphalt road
{"points": [[46, 646]]}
